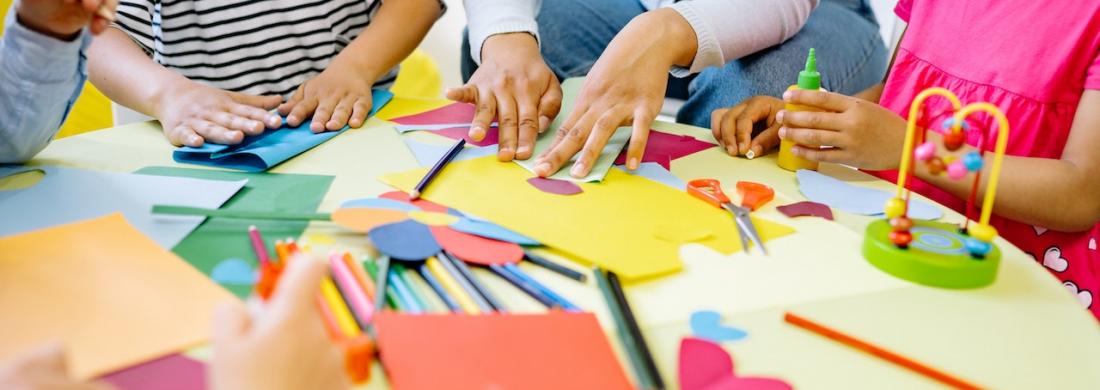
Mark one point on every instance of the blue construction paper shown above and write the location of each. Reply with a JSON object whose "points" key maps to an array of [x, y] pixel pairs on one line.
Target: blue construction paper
{"points": [[654, 171], [262, 152], [405, 240], [707, 324], [234, 271], [68, 195], [856, 200], [427, 154], [491, 230], [379, 203]]}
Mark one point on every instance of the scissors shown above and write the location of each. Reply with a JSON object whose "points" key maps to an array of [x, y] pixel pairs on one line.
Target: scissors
{"points": [[753, 195]]}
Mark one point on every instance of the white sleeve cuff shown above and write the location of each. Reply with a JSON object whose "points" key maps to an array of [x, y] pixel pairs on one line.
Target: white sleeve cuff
{"points": [[491, 17], [709, 51]]}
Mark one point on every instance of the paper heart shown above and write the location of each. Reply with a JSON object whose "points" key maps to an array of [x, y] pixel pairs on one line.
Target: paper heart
{"points": [[233, 271], [1039, 230], [1083, 296], [555, 186], [1053, 259], [705, 365], [1092, 243], [707, 324]]}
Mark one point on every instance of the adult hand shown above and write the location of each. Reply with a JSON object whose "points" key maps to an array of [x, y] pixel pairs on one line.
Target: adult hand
{"points": [[733, 127], [192, 113], [514, 84], [338, 96], [63, 19], [626, 86], [42, 369], [286, 347], [861, 133]]}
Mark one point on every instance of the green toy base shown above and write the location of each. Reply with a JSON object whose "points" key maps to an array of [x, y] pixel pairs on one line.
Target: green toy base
{"points": [[936, 257]]}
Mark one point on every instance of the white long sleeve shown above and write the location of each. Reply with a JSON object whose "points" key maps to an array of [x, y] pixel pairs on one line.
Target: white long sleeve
{"points": [[486, 18]]}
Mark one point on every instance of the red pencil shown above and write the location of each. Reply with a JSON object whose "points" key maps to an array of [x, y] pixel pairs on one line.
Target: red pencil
{"points": [[864, 346], [258, 245]]}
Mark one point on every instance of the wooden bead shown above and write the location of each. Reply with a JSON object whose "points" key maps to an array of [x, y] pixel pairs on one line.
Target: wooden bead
{"points": [[973, 161], [925, 151], [901, 239], [936, 166], [901, 224], [953, 140], [895, 207], [982, 232], [957, 170], [978, 248]]}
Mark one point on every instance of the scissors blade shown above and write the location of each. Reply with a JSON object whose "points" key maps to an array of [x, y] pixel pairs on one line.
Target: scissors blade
{"points": [[746, 228]]}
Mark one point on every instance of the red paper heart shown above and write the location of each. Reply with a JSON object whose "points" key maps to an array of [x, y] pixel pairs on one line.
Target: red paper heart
{"points": [[704, 365]]}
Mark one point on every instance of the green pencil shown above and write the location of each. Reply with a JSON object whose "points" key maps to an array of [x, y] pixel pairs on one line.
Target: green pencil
{"points": [[240, 214], [391, 295], [414, 293], [641, 374]]}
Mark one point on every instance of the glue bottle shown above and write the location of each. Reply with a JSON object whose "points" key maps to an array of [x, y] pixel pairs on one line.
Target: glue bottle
{"points": [[808, 79]]}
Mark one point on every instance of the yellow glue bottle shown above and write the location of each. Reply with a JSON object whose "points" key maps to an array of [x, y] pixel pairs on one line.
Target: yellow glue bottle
{"points": [[808, 79]]}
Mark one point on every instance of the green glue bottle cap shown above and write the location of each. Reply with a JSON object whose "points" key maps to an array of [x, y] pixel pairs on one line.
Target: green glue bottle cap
{"points": [[809, 78]]}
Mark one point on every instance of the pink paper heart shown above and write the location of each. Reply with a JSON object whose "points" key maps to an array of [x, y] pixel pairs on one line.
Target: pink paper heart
{"points": [[704, 365]]}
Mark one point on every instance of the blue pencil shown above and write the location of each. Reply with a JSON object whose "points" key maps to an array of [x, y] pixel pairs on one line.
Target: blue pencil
{"points": [[439, 165], [520, 284], [564, 303], [481, 289], [404, 293], [438, 288]]}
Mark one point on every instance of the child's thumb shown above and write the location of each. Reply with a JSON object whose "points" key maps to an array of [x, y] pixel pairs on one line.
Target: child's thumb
{"points": [[298, 289]]}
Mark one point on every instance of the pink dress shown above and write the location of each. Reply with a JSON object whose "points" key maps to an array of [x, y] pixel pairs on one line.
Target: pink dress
{"points": [[1033, 59]]}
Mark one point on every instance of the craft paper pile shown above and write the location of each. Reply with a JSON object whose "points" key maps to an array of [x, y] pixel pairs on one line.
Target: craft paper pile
{"points": [[67, 194], [262, 152], [451, 121], [614, 223], [427, 154], [110, 294], [556, 350], [173, 372], [662, 148]]}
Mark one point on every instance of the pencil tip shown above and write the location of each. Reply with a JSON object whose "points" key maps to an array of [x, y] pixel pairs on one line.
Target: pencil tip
{"points": [[414, 195]]}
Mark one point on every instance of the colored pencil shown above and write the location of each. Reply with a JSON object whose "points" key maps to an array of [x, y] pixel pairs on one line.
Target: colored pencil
{"points": [[451, 285], [240, 214], [355, 295], [329, 319], [880, 352], [403, 291], [469, 289], [468, 274], [564, 303], [437, 287], [344, 294], [439, 165], [381, 281], [629, 343], [635, 331], [416, 293], [258, 245], [281, 254], [339, 310], [555, 267], [361, 277], [520, 284]]}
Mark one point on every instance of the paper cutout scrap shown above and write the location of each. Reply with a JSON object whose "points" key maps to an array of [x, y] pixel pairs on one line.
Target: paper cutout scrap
{"points": [[856, 200], [662, 148], [556, 350], [681, 234], [361, 220], [491, 230], [704, 365], [234, 271], [427, 155], [707, 324], [404, 106], [657, 173], [405, 240], [806, 208], [172, 372], [69, 194], [477, 250], [569, 89], [261, 152], [143, 301], [611, 224], [218, 239], [459, 114], [555, 186]]}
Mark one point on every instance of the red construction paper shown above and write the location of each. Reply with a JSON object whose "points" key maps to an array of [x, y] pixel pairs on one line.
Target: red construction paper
{"points": [[555, 186], [806, 208], [425, 205], [492, 136], [662, 148], [451, 113], [704, 365], [556, 350], [172, 372], [477, 249]]}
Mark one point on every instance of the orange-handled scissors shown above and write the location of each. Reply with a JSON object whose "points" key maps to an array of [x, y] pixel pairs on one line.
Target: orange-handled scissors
{"points": [[710, 191]]}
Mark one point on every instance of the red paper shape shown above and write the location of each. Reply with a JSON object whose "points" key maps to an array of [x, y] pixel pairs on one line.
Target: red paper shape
{"points": [[704, 365], [477, 249], [662, 148], [425, 205], [556, 350], [172, 372], [806, 208], [452, 113], [555, 186]]}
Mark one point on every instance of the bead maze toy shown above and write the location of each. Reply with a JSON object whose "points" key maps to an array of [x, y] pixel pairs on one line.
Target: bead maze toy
{"points": [[935, 253]]}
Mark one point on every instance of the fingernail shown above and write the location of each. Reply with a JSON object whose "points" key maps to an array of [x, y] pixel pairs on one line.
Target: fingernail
{"points": [[632, 163], [783, 132], [751, 154], [730, 150], [787, 95], [544, 122], [194, 140], [477, 133], [542, 169], [779, 115], [578, 169], [523, 149]]}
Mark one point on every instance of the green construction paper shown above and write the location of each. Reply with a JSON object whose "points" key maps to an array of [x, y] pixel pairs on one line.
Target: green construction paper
{"points": [[218, 239]]}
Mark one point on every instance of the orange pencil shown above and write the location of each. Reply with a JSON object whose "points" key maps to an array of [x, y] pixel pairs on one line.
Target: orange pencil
{"points": [[884, 354], [360, 275]]}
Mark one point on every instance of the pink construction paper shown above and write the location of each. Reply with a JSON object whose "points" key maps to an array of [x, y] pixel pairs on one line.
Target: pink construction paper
{"points": [[662, 148], [555, 186], [806, 208], [451, 113], [492, 136], [704, 365], [172, 372]]}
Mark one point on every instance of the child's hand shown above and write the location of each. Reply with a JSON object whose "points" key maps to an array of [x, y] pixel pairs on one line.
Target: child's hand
{"points": [[862, 134], [733, 126], [338, 96], [63, 19], [43, 368], [192, 114], [284, 348]]}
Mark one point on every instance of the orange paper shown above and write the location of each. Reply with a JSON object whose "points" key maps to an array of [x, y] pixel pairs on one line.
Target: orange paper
{"points": [[111, 295], [557, 350]]}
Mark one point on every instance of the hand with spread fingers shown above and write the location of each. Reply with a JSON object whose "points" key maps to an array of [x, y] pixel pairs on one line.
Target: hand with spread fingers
{"points": [[193, 114], [513, 84], [733, 127], [860, 133], [339, 96]]}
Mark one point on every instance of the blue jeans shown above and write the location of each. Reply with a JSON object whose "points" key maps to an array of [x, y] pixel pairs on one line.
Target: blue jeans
{"points": [[850, 53]]}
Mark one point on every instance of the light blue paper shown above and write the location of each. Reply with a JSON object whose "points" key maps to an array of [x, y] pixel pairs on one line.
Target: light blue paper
{"points": [[379, 203], [234, 271], [856, 200], [491, 230], [67, 195], [654, 171], [262, 152], [427, 154]]}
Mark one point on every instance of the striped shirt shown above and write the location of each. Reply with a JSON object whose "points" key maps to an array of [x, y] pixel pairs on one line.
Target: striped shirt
{"points": [[256, 47]]}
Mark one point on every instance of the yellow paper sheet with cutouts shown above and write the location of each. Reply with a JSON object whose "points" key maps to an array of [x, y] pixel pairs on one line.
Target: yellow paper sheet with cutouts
{"points": [[614, 223]]}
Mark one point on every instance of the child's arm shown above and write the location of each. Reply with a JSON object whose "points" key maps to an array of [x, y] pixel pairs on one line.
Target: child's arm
{"points": [[341, 95], [1058, 194], [189, 112]]}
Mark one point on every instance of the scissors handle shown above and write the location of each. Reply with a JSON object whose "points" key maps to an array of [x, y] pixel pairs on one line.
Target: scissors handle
{"points": [[708, 190]]}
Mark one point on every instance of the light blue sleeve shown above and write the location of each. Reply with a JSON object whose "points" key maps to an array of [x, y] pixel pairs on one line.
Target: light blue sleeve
{"points": [[40, 79]]}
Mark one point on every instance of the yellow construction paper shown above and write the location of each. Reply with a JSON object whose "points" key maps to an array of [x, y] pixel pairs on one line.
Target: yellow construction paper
{"points": [[404, 106], [612, 223], [112, 296]]}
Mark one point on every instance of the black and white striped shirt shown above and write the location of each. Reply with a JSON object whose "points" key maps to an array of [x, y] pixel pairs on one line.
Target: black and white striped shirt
{"points": [[260, 47]]}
